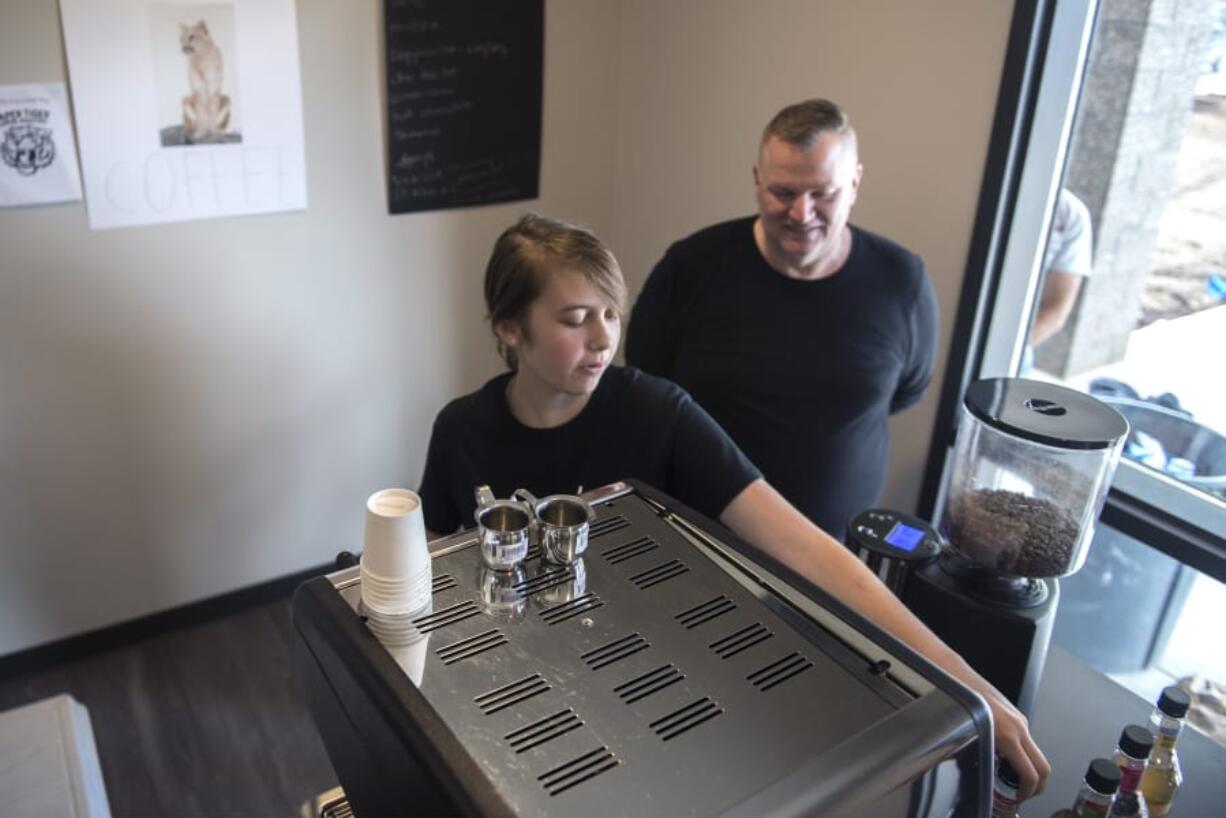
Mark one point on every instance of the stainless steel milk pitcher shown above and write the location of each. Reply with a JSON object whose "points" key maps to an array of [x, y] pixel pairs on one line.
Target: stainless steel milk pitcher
{"points": [[562, 523], [504, 528]]}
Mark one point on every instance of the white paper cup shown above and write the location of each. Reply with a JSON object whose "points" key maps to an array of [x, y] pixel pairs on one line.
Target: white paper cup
{"points": [[396, 596], [394, 546], [411, 657], [395, 564]]}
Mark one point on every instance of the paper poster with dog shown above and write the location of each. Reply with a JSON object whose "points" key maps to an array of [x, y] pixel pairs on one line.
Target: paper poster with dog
{"points": [[38, 155], [186, 109]]}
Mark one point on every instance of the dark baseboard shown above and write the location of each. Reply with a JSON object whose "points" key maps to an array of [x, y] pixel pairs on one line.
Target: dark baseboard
{"points": [[123, 634]]}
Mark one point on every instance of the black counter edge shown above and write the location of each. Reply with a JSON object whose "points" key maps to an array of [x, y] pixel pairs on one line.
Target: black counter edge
{"points": [[399, 701]]}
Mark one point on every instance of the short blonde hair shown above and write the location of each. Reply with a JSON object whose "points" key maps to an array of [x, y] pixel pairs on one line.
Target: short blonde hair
{"points": [[803, 123], [524, 256]]}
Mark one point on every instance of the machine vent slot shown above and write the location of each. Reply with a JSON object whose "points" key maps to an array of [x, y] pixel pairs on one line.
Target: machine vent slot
{"points": [[546, 729], [606, 526], [744, 639], [779, 671], [589, 765], [687, 718], [472, 646], [630, 550], [503, 697], [532, 553], [663, 571], [563, 612], [336, 808], [640, 687], [447, 616], [544, 581], [615, 651], [701, 614], [442, 582]]}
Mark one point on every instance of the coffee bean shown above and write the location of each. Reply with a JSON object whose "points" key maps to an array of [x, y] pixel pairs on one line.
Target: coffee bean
{"points": [[1013, 533]]}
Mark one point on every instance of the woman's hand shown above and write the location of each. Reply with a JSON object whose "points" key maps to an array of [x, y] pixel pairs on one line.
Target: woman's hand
{"points": [[1013, 739], [761, 516]]}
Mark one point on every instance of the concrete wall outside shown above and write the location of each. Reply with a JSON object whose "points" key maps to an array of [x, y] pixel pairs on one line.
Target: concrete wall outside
{"points": [[1144, 62]]}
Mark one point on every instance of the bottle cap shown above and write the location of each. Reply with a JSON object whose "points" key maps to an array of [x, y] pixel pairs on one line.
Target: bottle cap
{"points": [[1136, 741], [1174, 702], [1104, 776], [1006, 773]]}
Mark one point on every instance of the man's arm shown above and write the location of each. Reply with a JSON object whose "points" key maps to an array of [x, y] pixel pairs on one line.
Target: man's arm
{"points": [[763, 518], [923, 324], [651, 341], [1067, 259], [1055, 304]]}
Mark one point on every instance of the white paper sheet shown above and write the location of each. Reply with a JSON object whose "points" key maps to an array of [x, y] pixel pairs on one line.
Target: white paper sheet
{"points": [[38, 155], [186, 110]]}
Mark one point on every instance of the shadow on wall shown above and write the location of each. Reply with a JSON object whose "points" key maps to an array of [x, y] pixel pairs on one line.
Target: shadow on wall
{"points": [[173, 438], [162, 452], [142, 451], [74, 497]]}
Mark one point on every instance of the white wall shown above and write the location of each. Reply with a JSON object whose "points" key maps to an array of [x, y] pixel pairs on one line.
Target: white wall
{"points": [[188, 409]]}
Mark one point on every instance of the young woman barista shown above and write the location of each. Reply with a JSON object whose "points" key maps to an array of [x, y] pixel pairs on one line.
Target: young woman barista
{"points": [[563, 419]]}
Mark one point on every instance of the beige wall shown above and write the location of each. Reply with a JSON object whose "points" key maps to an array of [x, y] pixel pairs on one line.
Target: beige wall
{"points": [[191, 408]]}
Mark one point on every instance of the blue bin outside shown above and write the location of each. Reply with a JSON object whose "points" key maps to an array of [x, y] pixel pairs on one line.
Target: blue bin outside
{"points": [[1118, 611], [1180, 436]]}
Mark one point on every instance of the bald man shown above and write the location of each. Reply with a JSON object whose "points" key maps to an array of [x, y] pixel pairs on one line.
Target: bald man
{"points": [[799, 332]]}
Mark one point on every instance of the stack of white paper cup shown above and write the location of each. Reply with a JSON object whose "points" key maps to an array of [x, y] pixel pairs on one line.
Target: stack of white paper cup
{"points": [[395, 630], [411, 657], [395, 559]]}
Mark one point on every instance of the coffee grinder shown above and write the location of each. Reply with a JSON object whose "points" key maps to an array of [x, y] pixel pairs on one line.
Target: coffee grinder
{"points": [[1031, 467]]}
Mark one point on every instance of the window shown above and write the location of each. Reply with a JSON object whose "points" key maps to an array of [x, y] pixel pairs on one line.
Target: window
{"points": [[1118, 103]]}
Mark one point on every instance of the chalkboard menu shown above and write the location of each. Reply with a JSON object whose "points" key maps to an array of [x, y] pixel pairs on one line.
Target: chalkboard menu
{"points": [[463, 102]]}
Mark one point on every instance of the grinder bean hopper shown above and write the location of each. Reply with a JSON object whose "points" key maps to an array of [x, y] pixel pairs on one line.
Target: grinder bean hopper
{"points": [[1031, 466]]}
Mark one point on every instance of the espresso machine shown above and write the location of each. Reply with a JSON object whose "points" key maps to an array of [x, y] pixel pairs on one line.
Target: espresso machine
{"points": [[644, 662], [1031, 466]]}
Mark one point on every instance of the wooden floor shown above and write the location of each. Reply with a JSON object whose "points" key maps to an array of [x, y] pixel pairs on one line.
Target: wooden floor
{"points": [[205, 721]]}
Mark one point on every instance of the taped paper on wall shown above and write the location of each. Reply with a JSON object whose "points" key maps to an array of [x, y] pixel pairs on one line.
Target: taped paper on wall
{"points": [[186, 109], [38, 153]]}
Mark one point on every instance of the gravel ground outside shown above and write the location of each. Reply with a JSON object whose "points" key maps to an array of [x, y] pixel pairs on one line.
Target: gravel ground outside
{"points": [[1192, 236]]}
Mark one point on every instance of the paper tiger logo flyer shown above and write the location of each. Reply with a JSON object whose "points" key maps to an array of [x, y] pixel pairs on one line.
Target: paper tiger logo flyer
{"points": [[38, 155]]}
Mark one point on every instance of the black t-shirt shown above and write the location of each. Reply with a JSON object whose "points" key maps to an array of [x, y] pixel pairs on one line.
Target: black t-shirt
{"points": [[802, 374], [634, 426]]}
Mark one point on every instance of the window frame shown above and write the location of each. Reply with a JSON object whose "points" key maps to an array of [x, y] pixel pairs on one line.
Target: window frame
{"points": [[1040, 87]]}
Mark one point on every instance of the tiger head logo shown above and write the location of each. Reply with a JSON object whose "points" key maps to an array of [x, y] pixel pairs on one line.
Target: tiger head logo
{"points": [[27, 148]]}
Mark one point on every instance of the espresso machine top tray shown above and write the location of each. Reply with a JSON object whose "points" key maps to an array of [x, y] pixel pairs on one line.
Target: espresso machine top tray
{"points": [[665, 673]]}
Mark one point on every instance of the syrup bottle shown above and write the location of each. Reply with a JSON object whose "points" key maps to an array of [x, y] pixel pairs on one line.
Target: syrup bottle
{"points": [[1163, 776], [1004, 791], [1097, 791], [1131, 754]]}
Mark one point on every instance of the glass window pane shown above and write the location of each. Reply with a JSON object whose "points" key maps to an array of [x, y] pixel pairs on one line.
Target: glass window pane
{"points": [[1132, 302], [1147, 621]]}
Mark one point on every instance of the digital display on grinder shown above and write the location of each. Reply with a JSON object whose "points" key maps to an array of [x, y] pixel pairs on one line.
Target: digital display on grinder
{"points": [[904, 537]]}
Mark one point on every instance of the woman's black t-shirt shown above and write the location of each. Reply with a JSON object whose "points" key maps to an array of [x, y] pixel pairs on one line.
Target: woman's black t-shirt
{"points": [[634, 426]]}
